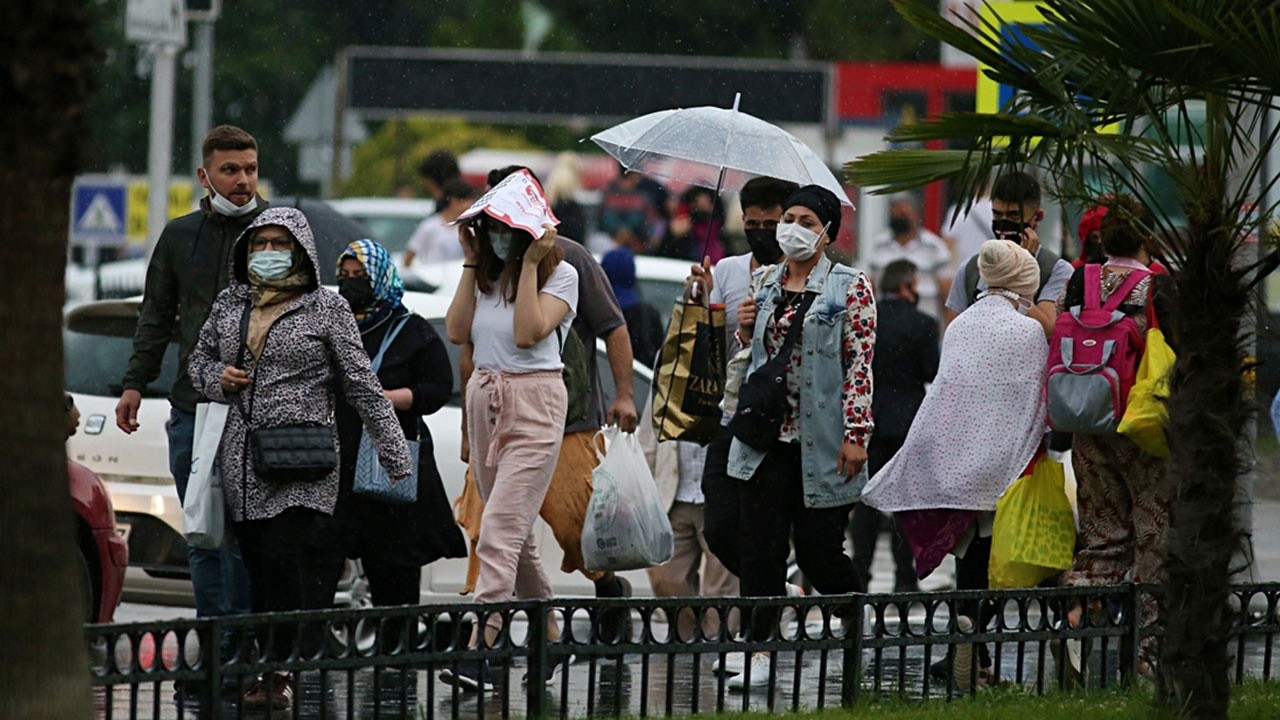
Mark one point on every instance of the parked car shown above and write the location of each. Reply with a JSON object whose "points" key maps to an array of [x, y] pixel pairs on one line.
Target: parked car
{"points": [[390, 221], [104, 552], [98, 339]]}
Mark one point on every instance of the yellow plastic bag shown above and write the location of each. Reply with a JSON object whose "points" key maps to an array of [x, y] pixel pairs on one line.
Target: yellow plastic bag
{"points": [[1145, 416], [1034, 535]]}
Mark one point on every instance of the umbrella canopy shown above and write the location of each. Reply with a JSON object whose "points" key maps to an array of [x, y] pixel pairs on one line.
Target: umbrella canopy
{"points": [[333, 232], [695, 145]]}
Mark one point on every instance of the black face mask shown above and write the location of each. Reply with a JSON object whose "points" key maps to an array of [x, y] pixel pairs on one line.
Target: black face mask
{"points": [[1008, 229], [358, 292], [764, 245], [899, 225]]}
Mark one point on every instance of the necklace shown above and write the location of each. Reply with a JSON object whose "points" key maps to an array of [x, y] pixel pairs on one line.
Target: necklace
{"points": [[1001, 292]]}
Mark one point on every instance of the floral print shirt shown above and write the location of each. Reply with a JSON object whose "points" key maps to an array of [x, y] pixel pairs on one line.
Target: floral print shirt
{"points": [[858, 347]]}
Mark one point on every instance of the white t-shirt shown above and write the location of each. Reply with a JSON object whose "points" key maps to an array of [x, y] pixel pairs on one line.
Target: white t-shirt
{"points": [[926, 251], [731, 284], [971, 229], [493, 332], [435, 241]]}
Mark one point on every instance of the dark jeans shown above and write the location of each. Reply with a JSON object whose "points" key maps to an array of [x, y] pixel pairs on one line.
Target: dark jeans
{"points": [[773, 517], [720, 506], [218, 577], [286, 572], [867, 522]]}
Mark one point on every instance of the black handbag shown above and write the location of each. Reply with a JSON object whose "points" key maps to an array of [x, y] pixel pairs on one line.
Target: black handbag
{"points": [[286, 453], [293, 453], [762, 399]]}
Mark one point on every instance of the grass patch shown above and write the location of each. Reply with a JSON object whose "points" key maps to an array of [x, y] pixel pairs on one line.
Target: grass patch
{"points": [[1255, 700]]}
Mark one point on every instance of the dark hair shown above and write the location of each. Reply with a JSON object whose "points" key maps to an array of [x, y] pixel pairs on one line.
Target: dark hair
{"points": [[765, 192], [226, 137], [896, 274], [505, 276], [1016, 187], [440, 166], [1125, 226], [497, 175], [456, 189]]}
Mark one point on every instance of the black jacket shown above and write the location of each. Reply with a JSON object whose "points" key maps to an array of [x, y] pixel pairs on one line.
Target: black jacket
{"points": [[424, 531], [188, 269], [906, 358]]}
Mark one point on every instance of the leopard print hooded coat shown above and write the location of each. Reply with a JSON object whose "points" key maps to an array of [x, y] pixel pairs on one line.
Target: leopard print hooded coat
{"points": [[313, 345]]}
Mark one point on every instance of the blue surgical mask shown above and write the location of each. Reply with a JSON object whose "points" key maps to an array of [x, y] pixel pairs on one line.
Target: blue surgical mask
{"points": [[501, 242], [271, 264]]}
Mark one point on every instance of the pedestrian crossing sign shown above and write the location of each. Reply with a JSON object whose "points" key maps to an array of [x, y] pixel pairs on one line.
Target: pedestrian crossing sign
{"points": [[98, 213], [1010, 18]]}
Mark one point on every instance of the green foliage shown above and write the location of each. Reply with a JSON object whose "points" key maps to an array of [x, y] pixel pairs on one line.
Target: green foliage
{"points": [[389, 160]]}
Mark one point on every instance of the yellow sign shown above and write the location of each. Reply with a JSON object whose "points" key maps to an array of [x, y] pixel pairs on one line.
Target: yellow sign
{"points": [[181, 202], [991, 96]]}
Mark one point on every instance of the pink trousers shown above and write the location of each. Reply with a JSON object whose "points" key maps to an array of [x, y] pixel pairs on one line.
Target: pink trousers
{"points": [[516, 423]]}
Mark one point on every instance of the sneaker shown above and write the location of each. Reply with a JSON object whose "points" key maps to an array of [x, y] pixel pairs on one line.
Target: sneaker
{"points": [[470, 675], [756, 674], [615, 623], [273, 691], [553, 672], [732, 664]]}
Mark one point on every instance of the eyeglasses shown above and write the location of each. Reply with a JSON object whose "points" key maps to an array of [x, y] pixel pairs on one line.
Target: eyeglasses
{"points": [[277, 243]]}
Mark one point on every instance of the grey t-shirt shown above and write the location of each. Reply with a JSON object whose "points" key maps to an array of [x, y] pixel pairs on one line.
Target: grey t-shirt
{"points": [[958, 300], [731, 283], [598, 315]]}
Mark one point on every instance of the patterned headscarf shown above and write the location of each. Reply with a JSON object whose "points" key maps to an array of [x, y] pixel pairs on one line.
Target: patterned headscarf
{"points": [[388, 288]]}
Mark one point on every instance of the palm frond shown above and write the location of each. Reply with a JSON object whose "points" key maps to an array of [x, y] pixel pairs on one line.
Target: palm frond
{"points": [[891, 171]]}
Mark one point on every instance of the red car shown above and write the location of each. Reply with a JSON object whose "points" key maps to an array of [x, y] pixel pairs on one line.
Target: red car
{"points": [[104, 554]]}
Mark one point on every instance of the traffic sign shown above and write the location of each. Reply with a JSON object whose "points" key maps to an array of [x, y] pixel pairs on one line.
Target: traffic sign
{"points": [[991, 95], [98, 212], [155, 21], [181, 202]]}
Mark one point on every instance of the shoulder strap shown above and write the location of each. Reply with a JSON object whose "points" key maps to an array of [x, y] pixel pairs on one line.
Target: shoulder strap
{"points": [[971, 279], [244, 333], [1122, 293], [387, 340], [1092, 286], [793, 332], [1047, 260]]}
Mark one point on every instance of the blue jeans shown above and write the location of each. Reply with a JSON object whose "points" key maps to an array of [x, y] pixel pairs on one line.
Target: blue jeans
{"points": [[218, 577]]}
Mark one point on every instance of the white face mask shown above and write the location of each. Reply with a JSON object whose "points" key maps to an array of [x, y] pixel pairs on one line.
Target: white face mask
{"points": [[223, 206], [797, 242]]}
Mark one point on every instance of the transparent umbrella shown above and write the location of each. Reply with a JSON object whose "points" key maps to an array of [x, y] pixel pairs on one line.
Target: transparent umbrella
{"points": [[715, 147]]}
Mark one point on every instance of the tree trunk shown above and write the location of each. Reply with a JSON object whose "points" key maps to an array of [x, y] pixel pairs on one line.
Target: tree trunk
{"points": [[46, 67], [1207, 417]]}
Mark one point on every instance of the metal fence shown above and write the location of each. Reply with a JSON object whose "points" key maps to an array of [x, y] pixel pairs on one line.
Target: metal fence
{"points": [[821, 652]]}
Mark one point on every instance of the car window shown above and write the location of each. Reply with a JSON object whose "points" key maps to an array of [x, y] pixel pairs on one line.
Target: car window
{"points": [[639, 383], [393, 233], [660, 293], [97, 355]]}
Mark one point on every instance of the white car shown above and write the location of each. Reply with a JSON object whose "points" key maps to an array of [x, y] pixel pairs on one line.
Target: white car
{"points": [[659, 279], [391, 221], [98, 338]]}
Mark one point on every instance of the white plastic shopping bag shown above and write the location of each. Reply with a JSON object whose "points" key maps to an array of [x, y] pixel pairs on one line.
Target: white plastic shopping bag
{"points": [[626, 526], [203, 513]]}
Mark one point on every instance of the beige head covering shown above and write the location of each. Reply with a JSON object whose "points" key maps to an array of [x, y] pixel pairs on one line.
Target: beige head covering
{"points": [[1005, 264]]}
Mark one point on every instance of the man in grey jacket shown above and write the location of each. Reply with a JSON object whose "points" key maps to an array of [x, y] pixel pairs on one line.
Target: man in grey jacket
{"points": [[188, 269]]}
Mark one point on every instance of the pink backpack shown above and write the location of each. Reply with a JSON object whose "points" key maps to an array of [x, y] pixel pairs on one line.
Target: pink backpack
{"points": [[1093, 358]]}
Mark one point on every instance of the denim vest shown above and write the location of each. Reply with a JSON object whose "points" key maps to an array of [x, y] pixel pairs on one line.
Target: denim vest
{"points": [[822, 374]]}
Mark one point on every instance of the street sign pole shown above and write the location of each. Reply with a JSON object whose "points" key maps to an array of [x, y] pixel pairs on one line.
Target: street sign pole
{"points": [[201, 90], [160, 147]]}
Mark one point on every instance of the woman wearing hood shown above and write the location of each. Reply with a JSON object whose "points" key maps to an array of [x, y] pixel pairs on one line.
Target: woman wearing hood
{"points": [[978, 428], [273, 348], [393, 542]]}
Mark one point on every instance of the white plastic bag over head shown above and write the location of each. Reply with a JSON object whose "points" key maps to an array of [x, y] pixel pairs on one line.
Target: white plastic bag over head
{"points": [[626, 527]]}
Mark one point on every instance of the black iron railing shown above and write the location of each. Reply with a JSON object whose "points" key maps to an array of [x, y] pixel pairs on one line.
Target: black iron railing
{"points": [[633, 658]]}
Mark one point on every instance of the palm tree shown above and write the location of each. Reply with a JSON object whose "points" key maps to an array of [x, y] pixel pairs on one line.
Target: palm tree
{"points": [[1138, 97], [46, 67]]}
